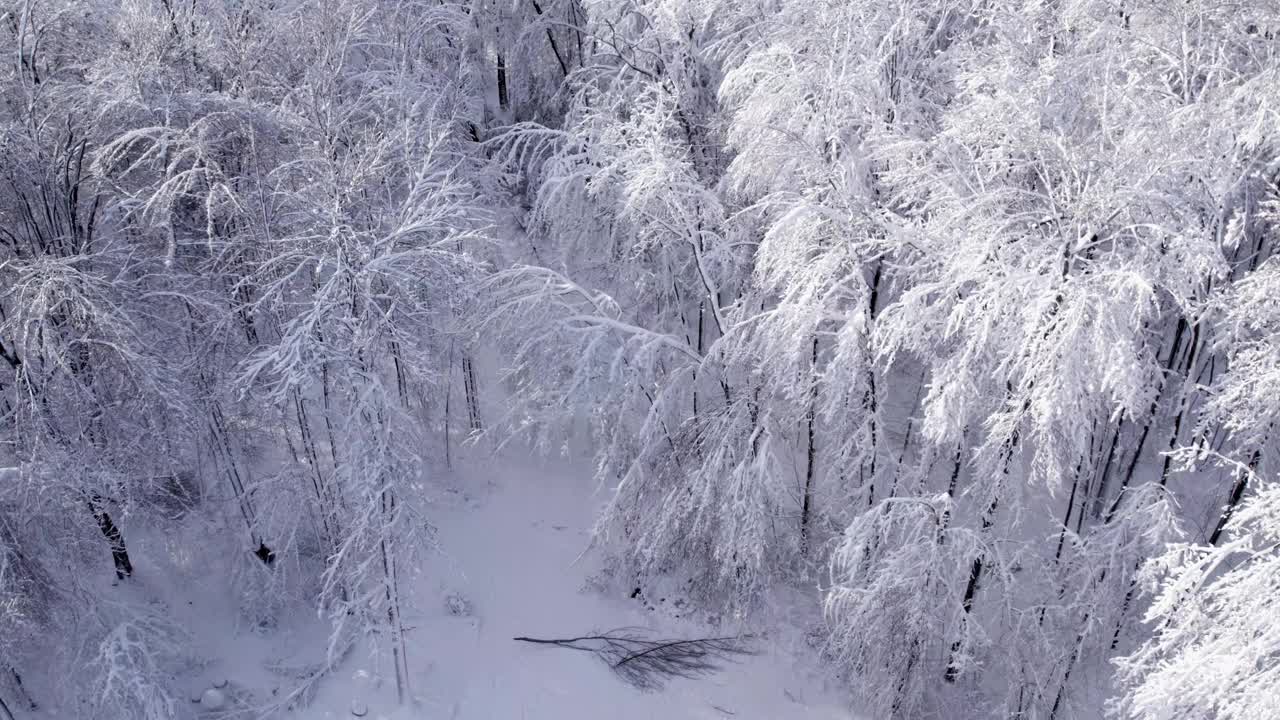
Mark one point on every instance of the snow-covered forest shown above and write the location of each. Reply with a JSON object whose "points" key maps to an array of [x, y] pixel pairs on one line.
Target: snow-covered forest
{"points": [[941, 334]]}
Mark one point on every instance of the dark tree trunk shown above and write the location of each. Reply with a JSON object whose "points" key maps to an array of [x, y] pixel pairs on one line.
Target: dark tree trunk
{"points": [[473, 394], [807, 502], [1175, 351], [119, 552], [906, 439], [1237, 493], [503, 101], [970, 591], [555, 49], [448, 392], [870, 401], [951, 488], [975, 570], [1066, 678], [1071, 500], [23, 696], [1183, 406], [1100, 494]]}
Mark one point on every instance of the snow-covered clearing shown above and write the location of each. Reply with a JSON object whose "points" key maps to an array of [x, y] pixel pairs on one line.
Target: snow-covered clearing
{"points": [[511, 545]]}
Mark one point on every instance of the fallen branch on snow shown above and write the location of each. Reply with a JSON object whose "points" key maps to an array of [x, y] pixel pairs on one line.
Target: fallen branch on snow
{"points": [[647, 664]]}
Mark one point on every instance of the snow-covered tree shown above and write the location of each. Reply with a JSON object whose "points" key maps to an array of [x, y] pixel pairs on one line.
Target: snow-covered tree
{"points": [[1214, 634], [917, 300]]}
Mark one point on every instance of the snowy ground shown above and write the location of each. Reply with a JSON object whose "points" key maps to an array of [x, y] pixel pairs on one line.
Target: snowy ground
{"points": [[512, 545]]}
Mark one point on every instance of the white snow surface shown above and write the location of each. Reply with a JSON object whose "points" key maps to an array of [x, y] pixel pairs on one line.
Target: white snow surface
{"points": [[511, 549]]}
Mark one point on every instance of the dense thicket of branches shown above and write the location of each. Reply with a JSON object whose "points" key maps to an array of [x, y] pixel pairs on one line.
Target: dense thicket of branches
{"points": [[918, 298], [235, 239]]}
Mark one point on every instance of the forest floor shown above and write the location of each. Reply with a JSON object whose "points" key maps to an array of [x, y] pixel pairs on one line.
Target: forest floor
{"points": [[511, 556]]}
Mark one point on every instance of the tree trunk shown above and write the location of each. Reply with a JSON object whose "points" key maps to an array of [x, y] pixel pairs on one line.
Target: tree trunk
{"points": [[1066, 678], [328, 413], [222, 442], [448, 407], [555, 49], [1237, 493], [702, 312], [329, 520], [975, 570], [23, 696], [807, 502], [1193, 352], [1071, 500], [119, 552], [870, 402], [1104, 477], [391, 587], [906, 439], [473, 395], [503, 101], [1175, 351], [951, 488]]}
